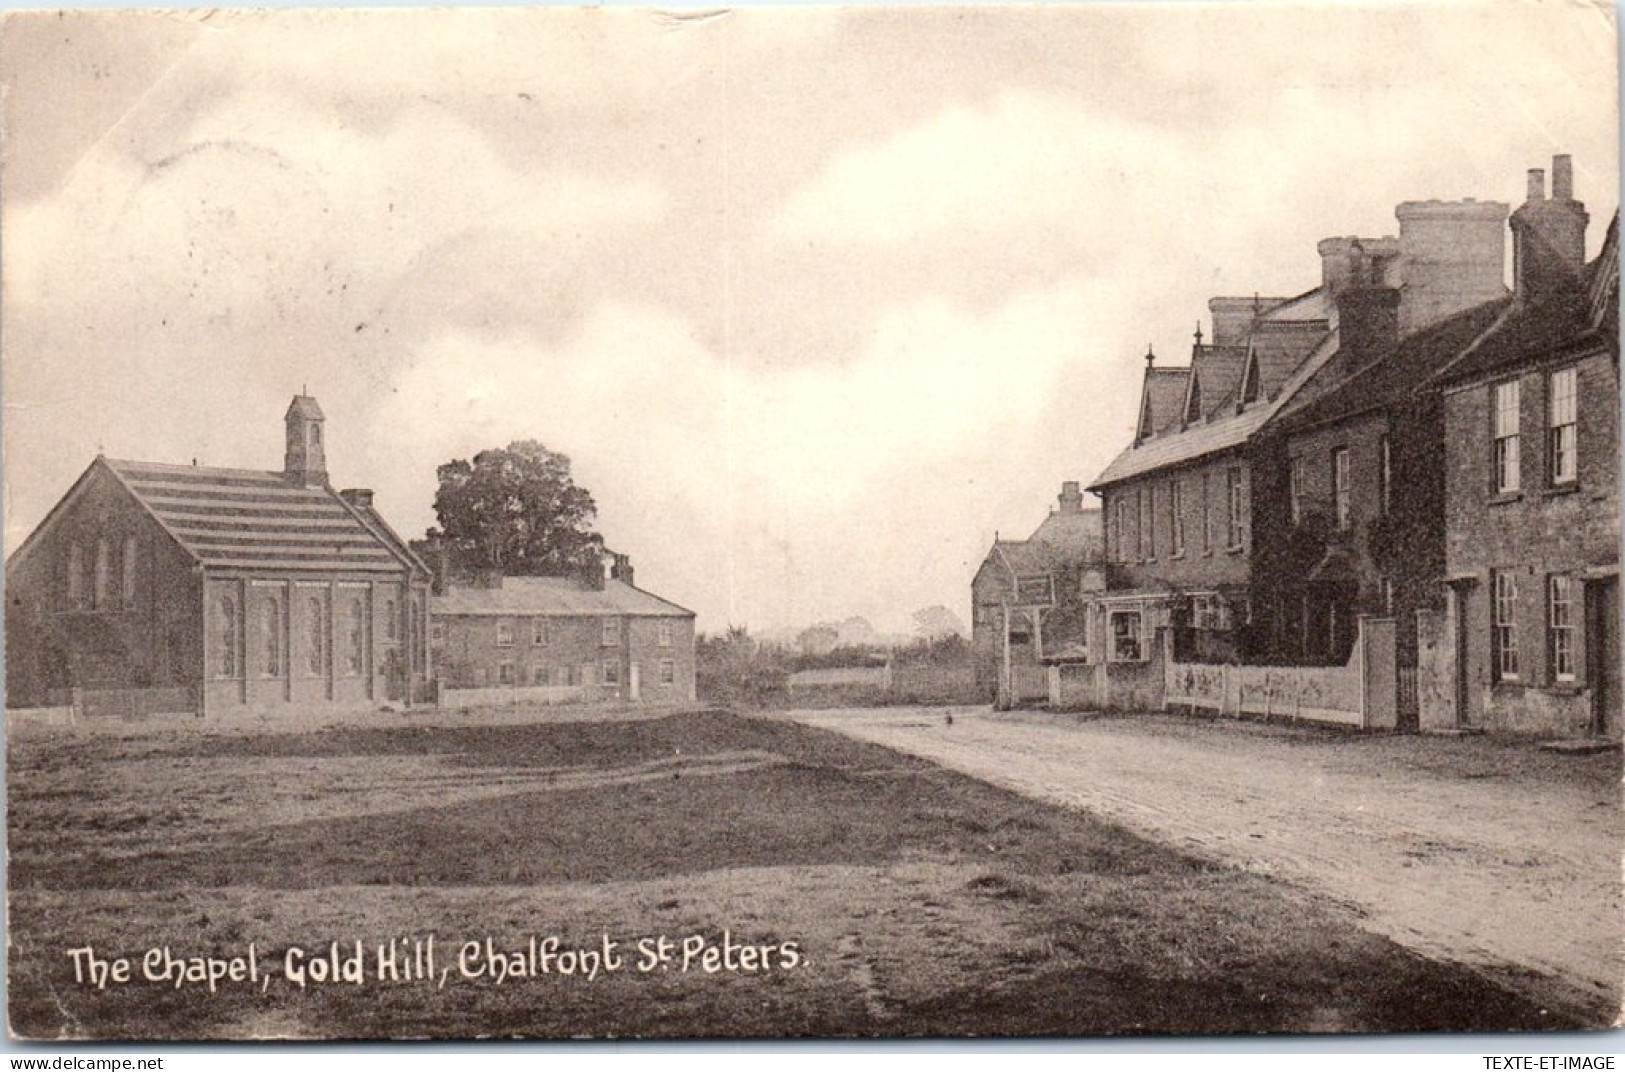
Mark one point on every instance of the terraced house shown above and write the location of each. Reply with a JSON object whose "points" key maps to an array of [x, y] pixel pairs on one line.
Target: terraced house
{"points": [[180, 588], [561, 640], [1530, 640], [1208, 506]]}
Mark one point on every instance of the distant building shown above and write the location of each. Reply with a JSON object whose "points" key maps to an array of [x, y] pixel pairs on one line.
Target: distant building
{"points": [[562, 640], [1531, 490], [1020, 586], [177, 588]]}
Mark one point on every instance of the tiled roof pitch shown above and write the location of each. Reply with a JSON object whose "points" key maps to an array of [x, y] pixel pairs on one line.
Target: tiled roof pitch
{"points": [[304, 406], [556, 597], [1222, 434], [1165, 394], [1397, 374], [1530, 333], [1072, 533], [1280, 347], [1218, 373], [1064, 539], [249, 519]]}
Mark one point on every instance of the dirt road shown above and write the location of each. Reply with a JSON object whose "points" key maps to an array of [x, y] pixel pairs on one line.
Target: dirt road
{"points": [[1493, 855]]}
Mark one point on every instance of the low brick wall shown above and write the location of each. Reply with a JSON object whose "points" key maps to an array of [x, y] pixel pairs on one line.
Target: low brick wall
{"points": [[514, 695], [1361, 693]]}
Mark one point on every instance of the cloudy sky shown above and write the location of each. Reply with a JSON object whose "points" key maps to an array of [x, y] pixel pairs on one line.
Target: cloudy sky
{"points": [[816, 300]]}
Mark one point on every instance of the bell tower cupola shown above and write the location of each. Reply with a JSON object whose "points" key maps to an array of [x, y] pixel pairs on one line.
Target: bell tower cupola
{"points": [[305, 460]]}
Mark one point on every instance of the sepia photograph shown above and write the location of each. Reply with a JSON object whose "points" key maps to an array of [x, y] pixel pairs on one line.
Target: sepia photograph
{"points": [[1071, 521]]}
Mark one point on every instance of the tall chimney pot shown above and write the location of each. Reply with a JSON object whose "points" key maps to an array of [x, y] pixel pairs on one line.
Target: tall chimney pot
{"points": [[1562, 178], [1537, 185]]}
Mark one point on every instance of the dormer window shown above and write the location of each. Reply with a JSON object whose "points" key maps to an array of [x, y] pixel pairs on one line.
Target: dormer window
{"points": [[1146, 424], [1249, 381]]}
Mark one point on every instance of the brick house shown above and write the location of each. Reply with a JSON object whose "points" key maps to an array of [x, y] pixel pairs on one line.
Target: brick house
{"points": [[1363, 530], [1530, 636], [1021, 587], [562, 639], [174, 588], [1199, 505]]}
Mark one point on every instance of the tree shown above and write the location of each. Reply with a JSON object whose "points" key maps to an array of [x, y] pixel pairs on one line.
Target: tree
{"points": [[518, 511], [934, 623]]}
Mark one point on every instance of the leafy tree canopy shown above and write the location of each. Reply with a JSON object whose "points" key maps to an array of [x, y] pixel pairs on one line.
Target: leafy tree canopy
{"points": [[516, 510]]}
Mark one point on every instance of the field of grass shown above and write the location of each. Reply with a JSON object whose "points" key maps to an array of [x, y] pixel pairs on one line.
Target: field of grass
{"points": [[897, 898]]}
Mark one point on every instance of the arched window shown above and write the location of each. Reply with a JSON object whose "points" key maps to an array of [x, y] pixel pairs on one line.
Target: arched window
{"points": [[318, 634], [76, 576], [273, 637], [227, 626], [128, 563], [104, 572], [357, 637]]}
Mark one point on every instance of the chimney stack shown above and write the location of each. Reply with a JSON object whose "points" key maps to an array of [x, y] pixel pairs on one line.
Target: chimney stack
{"points": [[1452, 257], [1367, 325], [1071, 498], [1548, 236], [621, 570]]}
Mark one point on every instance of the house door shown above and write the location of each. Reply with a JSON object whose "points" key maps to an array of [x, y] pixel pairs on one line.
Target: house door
{"points": [[1461, 594], [1602, 655]]}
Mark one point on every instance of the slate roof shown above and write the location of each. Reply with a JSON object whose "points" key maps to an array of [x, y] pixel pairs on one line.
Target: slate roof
{"points": [[1222, 434], [1218, 375], [304, 406], [1164, 392], [1533, 332], [554, 597], [1400, 372], [1280, 347], [250, 519]]}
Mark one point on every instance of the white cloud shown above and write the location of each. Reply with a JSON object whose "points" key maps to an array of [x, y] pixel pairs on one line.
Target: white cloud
{"points": [[1020, 161], [258, 201], [768, 457]]}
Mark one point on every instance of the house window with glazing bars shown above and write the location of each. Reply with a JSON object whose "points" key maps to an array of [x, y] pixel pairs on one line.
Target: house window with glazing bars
{"points": [[1207, 514], [1562, 440], [1232, 534], [1385, 476], [1119, 526], [1176, 519], [1151, 524], [1505, 458], [1127, 646], [1296, 479], [538, 632], [1504, 625], [504, 634], [1560, 625], [1340, 487]]}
